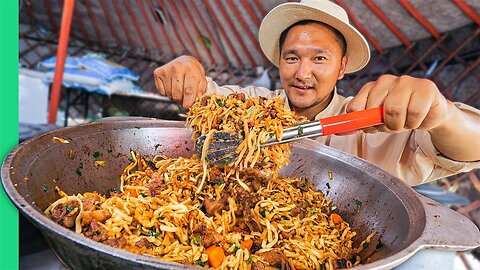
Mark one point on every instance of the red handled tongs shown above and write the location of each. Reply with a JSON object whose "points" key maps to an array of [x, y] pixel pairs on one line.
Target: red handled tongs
{"points": [[222, 146]]}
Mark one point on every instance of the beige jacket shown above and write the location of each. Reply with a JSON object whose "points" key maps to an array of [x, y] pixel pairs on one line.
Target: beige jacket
{"points": [[409, 155]]}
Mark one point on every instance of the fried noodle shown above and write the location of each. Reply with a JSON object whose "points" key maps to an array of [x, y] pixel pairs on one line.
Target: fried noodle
{"points": [[242, 216]]}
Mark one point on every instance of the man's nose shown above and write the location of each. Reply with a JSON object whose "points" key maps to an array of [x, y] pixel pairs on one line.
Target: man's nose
{"points": [[304, 71]]}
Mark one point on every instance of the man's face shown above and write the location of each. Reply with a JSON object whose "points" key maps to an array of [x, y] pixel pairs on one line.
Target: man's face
{"points": [[311, 62]]}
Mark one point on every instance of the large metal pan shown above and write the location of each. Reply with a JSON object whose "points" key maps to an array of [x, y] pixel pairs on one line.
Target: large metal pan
{"points": [[369, 198]]}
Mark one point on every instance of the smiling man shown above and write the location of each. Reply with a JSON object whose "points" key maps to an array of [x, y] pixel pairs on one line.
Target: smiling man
{"points": [[424, 137]]}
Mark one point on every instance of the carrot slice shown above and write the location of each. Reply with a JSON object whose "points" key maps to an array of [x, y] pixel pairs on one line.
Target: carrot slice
{"points": [[215, 256], [247, 244], [133, 193], [336, 218]]}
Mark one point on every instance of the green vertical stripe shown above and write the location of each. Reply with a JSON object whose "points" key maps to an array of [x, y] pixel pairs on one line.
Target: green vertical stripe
{"points": [[8, 124]]}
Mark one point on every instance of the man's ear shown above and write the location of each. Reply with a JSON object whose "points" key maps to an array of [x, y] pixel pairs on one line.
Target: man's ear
{"points": [[343, 67]]}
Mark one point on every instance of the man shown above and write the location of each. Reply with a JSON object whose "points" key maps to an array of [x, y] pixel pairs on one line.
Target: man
{"points": [[424, 137]]}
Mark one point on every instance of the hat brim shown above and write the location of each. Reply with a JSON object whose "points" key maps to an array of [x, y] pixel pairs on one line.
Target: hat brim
{"points": [[285, 15]]}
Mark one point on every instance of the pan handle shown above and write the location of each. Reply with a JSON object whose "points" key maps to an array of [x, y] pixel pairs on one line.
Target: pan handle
{"points": [[447, 229]]}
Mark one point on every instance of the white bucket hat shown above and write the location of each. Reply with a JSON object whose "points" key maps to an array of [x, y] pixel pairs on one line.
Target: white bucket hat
{"points": [[285, 15]]}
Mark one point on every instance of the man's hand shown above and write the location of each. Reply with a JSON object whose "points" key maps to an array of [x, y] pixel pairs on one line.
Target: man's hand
{"points": [[182, 80], [412, 103], [409, 103]]}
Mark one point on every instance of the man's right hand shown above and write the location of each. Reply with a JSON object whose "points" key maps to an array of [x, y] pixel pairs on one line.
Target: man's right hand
{"points": [[182, 80]]}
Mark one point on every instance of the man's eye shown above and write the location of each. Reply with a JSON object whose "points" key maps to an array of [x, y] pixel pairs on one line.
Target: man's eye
{"points": [[320, 58], [291, 59]]}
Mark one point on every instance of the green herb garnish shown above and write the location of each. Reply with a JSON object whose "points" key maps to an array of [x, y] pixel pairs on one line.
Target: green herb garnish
{"points": [[69, 208], [300, 130], [197, 240], [262, 213], [202, 264], [220, 103], [150, 233], [220, 182], [235, 249], [358, 202], [96, 154], [137, 127], [45, 188], [250, 260], [250, 110], [311, 210], [160, 218], [365, 244]]}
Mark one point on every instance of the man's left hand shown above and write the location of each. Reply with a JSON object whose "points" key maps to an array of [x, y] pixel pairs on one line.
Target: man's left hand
{"points": [[409, 103]]}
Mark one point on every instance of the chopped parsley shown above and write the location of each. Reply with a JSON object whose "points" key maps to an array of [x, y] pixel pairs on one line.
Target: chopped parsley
{"points": [[96, 154], [143, 195], [160, 218], [137, 127], [235, 249], [285, 218], [250, 260], [300, 130], [251, 110], [262, 213], [202, 264], [358, 202], [114, 190], [311, 210], [271, 135], [365, 244], [220, 182], [96, 233], [197, 240], [131, 160], [150, 233], [45, 188], [69, 208], [220, 103], [179, 178]]}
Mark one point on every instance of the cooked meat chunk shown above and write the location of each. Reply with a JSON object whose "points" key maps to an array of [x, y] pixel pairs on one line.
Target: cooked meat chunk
{"points": [[304, 184], [255, 178], [212, 206], [276, 258], [209, 236], [65, 214], [256, 246], [239, 96], [96, 232], [297, 211], [258, 266], [250, 221], [120, 242], [155, 185], [144, 243], [216, 176], [342, 263]]}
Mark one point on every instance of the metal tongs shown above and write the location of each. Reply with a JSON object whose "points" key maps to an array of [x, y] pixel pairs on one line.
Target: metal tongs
{"points": [[222, 145]]}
